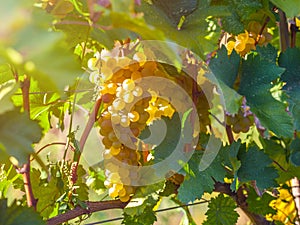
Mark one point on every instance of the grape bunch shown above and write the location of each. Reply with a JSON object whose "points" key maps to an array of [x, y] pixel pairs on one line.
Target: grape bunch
{"points": [[135, 91], [240, 122], [126, 106]]}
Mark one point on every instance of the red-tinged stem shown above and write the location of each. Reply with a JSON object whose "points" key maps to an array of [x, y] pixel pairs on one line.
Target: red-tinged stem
{"points": [[283, 31], [262, 29], [229, 134], [91, 207], [25, 93], [293, 33], [51, 144], [90, 123], [25, 170]]}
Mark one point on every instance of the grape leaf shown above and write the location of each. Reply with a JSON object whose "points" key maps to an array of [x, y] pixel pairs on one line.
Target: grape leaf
{"points": [[175, 9], [255, 165], [232, 24], [221, 211], [256, 77], [7, 89], [268, 52], [295, 152], [195, 182], [278, 154], [169, 144], [15, 215], [46, 192], [289, 7], [96, 178], [290, 61], [225, 69], [231, 160], [142, 214], [5, 72], [259, 204], [192, 34], [76, 29], [240, 10], [44, 55], [17, 134]]}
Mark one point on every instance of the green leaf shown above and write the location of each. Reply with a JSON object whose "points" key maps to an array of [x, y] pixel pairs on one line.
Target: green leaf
{"points": [[46, 192], [5, 72], [221, 211], [295, 152], [290, 61], [225, 69], [170, 141], [96, 178], [44, 55], [255, 165], [193, 32], [123, 20], [15, 215], [231, 160], [7, 89], [232, 24], [259, 204], [17, 134], [142, 213], [289, 7], [62, 70], [76, 30], [241, 11], [256, 77], [268, 53], [279, 155], [195, 182], [175, 9]]}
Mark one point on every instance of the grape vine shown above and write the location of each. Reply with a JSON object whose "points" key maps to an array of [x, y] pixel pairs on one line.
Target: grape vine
{"points": [[150, 106]]}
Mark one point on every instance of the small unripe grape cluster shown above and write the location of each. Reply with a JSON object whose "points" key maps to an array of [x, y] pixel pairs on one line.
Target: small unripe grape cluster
{"points": [[240, 122], [262, 37]]}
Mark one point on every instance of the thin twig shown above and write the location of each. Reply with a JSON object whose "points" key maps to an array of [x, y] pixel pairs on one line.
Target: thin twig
{"points": [[279, 166], [218, 120], [262, 29], [25, 170], [92, 119], [50, 144], [157, 211]]}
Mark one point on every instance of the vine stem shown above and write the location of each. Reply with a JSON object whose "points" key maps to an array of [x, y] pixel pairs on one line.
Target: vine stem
{"points": [[229, 134], [51, 144], [25, 170], [283, 31], [267, 20], [89, 125], [91, 207], [240, 199]]}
